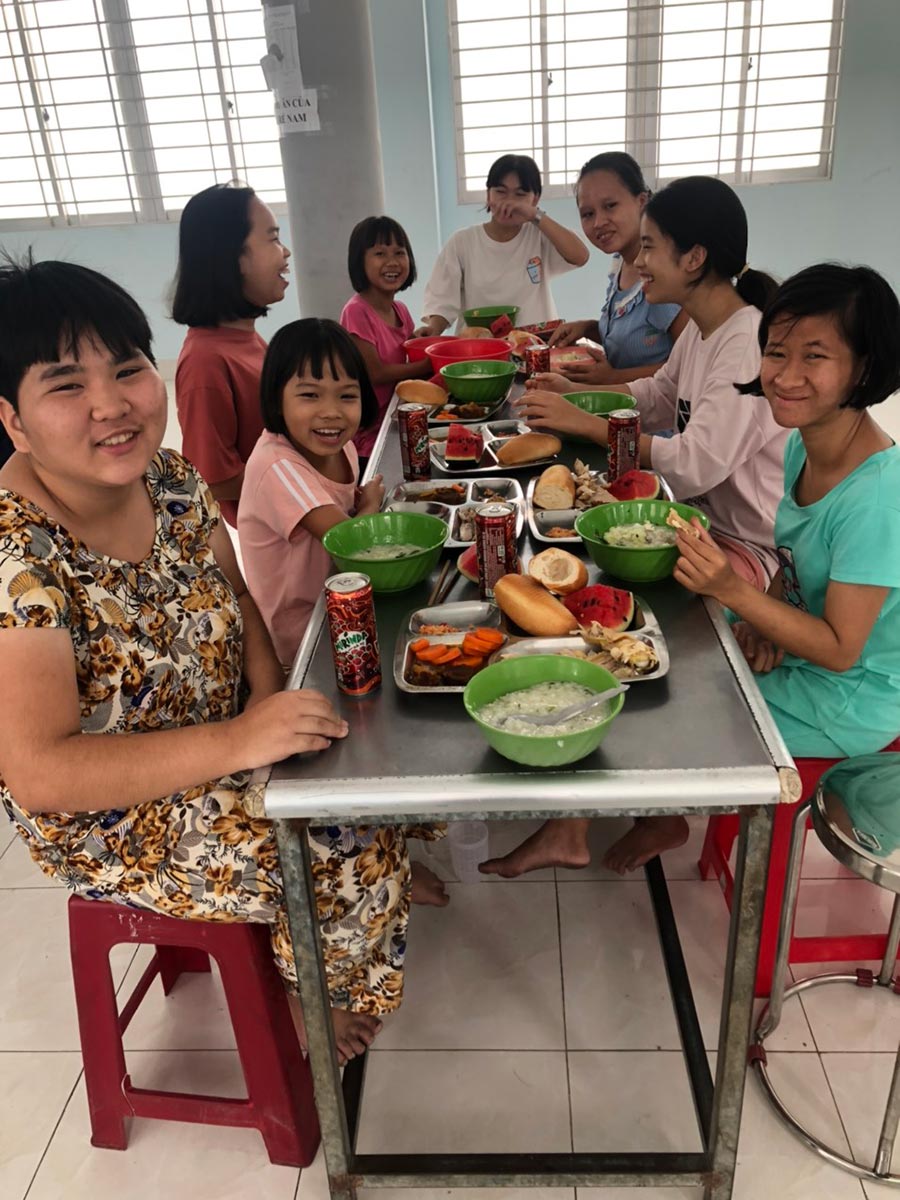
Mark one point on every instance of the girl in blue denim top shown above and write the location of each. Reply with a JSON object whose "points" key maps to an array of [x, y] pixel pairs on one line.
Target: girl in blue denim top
{"points": [[637, 336]]}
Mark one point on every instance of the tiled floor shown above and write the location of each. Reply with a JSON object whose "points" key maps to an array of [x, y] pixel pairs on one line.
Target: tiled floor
{"points": [[535, 1018]]}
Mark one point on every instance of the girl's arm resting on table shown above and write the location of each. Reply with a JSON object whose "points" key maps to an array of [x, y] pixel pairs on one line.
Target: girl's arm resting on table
{"points": [[319, 520], [381, 372], [833, 641], [49, 765]]}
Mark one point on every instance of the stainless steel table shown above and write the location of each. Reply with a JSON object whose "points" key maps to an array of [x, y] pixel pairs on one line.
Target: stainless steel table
{"points": [[699, 741]]}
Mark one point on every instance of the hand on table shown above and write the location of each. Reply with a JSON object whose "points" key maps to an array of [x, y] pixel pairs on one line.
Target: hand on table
{"points": [[370, 496], [548, 381], [761, 654], [547, 410], [703, 568], [287, 723], [568, 332]]}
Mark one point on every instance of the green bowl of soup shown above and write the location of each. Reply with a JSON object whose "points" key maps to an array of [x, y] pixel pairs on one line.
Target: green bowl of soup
{"points": [[396, 550]]}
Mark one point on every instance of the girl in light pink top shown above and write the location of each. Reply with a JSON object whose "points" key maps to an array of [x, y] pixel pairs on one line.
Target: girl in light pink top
{"points": [[381, 264], [301, 478]]}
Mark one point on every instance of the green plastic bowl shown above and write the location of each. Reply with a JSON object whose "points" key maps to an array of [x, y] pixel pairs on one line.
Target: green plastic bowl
{"points": [[343, 541], [599, 404], [482, 381], [514, 674], [637, 564], [483, 318]]}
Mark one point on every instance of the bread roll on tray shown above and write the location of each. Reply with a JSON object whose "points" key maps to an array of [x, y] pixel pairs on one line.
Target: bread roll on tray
{"points": [[555, 488], [528, 447], [532, 607]]}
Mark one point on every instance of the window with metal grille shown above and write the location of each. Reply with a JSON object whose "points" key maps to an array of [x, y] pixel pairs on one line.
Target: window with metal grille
{"points": [[742, 89], [120, 110]]}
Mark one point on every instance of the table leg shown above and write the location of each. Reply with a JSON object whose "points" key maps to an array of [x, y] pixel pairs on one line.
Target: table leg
{"points": [[747, 905], [300, 901]]}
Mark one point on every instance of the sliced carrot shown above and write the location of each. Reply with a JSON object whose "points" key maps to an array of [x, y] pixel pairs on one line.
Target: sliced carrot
{"points": [[451, 653], [419, 645], [489, 635], [470, 660], [431, 653], [474, 645]]}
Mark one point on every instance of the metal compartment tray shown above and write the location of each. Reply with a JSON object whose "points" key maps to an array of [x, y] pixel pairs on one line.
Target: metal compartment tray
{"points": [[542, 519], [468, 613], [511, 489], [495, 433]]}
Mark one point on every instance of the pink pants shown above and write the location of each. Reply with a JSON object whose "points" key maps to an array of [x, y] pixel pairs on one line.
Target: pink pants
{"points": [[743, 561]]}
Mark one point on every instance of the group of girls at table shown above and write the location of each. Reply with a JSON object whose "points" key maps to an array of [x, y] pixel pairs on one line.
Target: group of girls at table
{"points": [[123, 611]]}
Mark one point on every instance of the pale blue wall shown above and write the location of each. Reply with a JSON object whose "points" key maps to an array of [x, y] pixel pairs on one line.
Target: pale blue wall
{"points": [[851, 217]]}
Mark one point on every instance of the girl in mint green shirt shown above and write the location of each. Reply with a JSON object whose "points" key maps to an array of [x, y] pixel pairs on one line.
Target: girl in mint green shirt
{"points": [[826, 636]]}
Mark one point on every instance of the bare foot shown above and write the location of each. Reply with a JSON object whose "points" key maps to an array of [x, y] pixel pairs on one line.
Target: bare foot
{"points": [[648, 837], [353, 1032], [427, 888], [558, 843]]}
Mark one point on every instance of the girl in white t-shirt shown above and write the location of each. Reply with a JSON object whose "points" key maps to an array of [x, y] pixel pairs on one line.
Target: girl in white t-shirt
{"points": [[510, 259]]}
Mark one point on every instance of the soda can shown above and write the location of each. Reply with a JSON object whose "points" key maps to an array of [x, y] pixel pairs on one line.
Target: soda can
{"points": [[537, 358], [413, 422], [350, 608], [624, 451], [495, 545]]}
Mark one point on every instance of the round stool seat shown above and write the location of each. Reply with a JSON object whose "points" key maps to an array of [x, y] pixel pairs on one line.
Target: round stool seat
{"points": [[856, 815]]}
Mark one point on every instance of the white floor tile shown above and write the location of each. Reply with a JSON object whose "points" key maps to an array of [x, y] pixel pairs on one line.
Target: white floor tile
{"points": [[194, 1016], [772, 1162], [165, 1158], [631, 1101], [7, 833], [482, 973], [37, 1001], [831, 907], [19, 870], [458, 1101], [844, 1017], [503, 837], [616, 993], [860, 1084], [678, 864], [35, 1088]]}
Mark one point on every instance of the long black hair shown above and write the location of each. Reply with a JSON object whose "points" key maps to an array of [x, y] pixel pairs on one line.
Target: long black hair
{"points": [[701, 211], [48, 308], [209, 289], [865, 309], [311, 343], [620, 164]]}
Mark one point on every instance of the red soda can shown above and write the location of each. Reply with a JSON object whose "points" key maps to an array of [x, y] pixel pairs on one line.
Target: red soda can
{"points": [[354, 636], [624, 452], [413, 422], [495, 545], [537, 358]]}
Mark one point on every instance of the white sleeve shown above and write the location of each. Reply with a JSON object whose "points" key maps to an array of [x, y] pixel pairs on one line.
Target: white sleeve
{"points": [[443, 293], [657, 395], [725, 430]]}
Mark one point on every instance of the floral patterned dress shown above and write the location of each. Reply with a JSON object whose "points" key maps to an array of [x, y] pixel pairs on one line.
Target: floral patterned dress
{"points": [[157, 645]]}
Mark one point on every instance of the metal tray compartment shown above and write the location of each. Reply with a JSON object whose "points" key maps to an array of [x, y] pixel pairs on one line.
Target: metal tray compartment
{"points": [[474, 493], [540, 520], [402, 653], [495, 433], [462, 614], [645, 626], [487, 412]]}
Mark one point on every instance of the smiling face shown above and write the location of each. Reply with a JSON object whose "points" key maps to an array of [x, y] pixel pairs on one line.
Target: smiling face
{"points": [[89, 420], [666, 274], [321, 415], [386, 266], [263, 261], [509, 190], [808, 371], [610, 214]]}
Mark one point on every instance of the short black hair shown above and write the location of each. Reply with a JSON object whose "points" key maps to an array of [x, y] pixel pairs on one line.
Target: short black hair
{"points": [[209, 289], [620, 164], [47, 308], [866, 311], [700, 210], [526, 168], [311, 342], [369, 232]]}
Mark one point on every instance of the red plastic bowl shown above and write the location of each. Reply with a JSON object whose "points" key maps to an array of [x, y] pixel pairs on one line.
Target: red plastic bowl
{"points": [[451, 350], [415, 348]]}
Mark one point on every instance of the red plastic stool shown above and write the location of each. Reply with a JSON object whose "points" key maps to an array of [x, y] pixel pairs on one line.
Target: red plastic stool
{"points": [[279, 1100], [721, 834]]}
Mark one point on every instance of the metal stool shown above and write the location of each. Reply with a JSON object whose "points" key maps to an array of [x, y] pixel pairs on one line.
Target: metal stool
{"points": [[856, 815]]}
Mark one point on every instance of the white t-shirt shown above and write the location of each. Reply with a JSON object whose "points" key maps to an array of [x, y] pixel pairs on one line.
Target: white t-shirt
{"points": [[727, 455], [473, 270]]}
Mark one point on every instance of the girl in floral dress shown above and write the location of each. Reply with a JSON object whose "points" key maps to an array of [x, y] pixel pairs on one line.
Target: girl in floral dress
{"points": [[145, 685]]}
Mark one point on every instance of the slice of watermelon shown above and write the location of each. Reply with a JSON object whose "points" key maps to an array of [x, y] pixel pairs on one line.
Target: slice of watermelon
{"points": [[464, 448], [635, 485], [613, 608], [501, 327], [467, 563]]}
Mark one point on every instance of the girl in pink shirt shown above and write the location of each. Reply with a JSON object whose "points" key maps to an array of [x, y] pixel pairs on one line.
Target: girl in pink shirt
{"points": [[301, 477], [381, 264]]}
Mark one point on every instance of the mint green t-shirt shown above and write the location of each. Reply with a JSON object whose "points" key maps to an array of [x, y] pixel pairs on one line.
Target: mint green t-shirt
{"points": [[851, 535]]}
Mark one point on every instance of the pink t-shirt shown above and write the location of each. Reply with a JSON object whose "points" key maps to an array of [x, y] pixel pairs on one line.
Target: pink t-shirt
{"points": [[361, 319], [727, 455], [284, 565]]}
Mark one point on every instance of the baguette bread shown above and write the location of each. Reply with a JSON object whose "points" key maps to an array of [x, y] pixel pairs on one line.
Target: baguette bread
{"points": [[528, 447], [555, 488], [531, 606], [419, 391], [559, 571]]}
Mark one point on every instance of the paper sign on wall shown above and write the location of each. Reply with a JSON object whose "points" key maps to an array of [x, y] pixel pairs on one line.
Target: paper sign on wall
{"points": [[296, 107]]}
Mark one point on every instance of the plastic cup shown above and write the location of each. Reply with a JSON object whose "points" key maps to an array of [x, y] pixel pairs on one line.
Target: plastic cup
{"points": [[468, 841]]}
